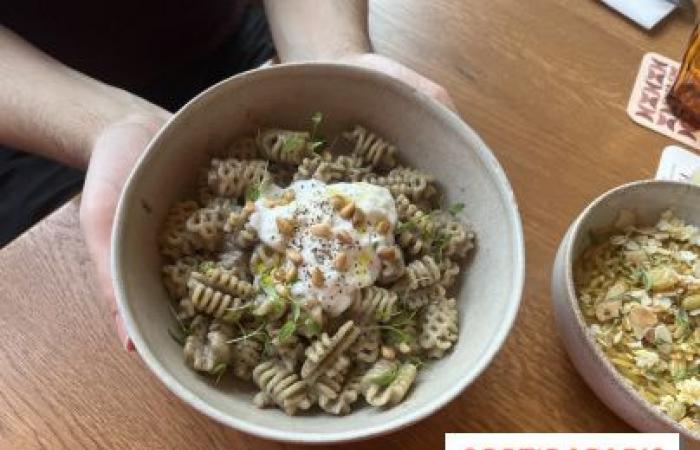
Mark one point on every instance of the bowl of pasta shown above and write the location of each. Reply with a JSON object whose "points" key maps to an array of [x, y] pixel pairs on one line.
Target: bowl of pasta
{"points": [[317, 253]]}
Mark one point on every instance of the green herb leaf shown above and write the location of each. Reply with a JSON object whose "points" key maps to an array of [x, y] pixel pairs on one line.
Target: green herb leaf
{"points": [[403, 319], [317, 118], [456, 208], [252, 192], [317, 145], [277, 303], [682, 318], [286, 331], [409, 225], [439, 244], [394, 335], [268, 286], [646, 279], [206, 266], [177, 337], [184, 329], [219, 370], [268, 348], [383, 315], [312, 327], [386, 378], [231, 316], [292, 143], [416, 361], [296, 310]]}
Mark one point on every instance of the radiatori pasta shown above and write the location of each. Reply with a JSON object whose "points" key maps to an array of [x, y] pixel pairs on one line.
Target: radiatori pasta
{"points": [[321, 274]]}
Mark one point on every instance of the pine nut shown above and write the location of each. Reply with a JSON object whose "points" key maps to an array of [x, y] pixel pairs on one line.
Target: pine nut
{"points": [[341, 262], [291, 274], [249, 207], [691, 302], [404, 347], [388, 352], [345, 237], [317, 278], [294, 256], [285, 226], [348, 210], [322, 229], [278, 274], [337, 201], [316, 314], [281, 290], [288, 196], [387, 253], [358, 219]]}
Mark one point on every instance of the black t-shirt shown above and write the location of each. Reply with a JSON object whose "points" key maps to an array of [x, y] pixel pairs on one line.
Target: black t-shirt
{"points": [[128, 43], [164, 50]]}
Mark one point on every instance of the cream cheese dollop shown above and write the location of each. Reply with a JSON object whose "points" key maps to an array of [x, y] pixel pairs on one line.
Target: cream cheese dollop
{"points": [[311, 204]]}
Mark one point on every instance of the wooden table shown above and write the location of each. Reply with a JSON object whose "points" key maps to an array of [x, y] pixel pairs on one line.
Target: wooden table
{"points": [[545, 83]]}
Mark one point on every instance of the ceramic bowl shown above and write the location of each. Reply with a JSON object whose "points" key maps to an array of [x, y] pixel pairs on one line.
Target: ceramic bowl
{"points": [[429, 136], [648, 199]]}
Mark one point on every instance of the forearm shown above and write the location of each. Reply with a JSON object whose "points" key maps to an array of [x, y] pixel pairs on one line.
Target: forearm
{"points": [[52, 110], [306, 30]]}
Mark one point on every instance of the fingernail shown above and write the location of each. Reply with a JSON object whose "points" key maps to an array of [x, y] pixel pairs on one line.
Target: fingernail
{"points": [[127, 344]]}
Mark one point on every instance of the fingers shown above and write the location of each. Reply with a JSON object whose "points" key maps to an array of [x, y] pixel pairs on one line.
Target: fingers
{"points": [[437, 92], [96, 228], [405, 74], [113, 157]]}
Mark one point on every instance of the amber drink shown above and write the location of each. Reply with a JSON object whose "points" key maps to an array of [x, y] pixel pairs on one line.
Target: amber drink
{"points": [[684, 97]]}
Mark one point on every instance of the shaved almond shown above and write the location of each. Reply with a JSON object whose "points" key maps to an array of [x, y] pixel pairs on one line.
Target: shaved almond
{"points": [[641, 319]]}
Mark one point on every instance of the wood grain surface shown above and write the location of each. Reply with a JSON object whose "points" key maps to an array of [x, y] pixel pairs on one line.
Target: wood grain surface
{"points": [[544, 82]]}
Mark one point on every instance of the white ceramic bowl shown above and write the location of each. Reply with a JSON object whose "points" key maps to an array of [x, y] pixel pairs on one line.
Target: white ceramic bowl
{"points": [[429, 137], [648, 199]]}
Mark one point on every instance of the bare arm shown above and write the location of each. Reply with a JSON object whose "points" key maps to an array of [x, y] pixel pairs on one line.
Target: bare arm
{"points": [[306, 30], [336, 30], [52, 110]]}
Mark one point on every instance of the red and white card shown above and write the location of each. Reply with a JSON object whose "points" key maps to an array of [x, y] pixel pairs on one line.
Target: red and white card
{"points": [[647, 105]]}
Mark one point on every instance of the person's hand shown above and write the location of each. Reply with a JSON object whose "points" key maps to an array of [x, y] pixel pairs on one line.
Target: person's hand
{"points": [[401, 72], [114, 154]]}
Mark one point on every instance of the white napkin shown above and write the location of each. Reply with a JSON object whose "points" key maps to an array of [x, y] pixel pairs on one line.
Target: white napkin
{"points": [[679, 164], [646, 13]]}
